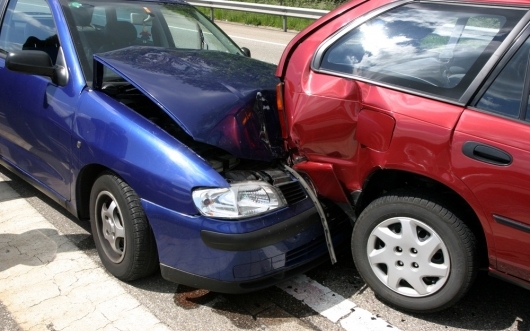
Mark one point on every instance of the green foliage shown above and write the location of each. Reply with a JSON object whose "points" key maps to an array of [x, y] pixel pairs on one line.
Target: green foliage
{"points": [[434, 41], [485, 22], [321, 4], [293, 23]]}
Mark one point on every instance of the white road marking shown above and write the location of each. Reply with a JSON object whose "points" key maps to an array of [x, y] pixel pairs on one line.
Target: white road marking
{"points": [[259, 41], [333, 306]]}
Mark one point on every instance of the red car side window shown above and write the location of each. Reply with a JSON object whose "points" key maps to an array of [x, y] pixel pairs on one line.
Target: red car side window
{"points": [[504, 96], [432, 48]]}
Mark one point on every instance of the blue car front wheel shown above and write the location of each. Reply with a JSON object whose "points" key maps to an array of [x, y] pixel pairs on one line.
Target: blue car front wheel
{"points": [[123, 237]]}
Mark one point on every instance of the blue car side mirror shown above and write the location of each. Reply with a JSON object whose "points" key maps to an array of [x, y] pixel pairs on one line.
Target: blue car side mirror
{"points": [[246, 51], [34, 62]]}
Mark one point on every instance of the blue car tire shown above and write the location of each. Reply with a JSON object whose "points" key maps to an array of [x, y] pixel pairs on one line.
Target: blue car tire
{"points": [[123, 237]]}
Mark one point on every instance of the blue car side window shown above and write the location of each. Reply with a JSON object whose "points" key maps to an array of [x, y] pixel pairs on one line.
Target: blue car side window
{"points": [[505, 94], [29, 25]]}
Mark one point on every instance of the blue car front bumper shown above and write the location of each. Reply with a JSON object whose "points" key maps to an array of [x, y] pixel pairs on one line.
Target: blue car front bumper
{"points": [[240, 256]]}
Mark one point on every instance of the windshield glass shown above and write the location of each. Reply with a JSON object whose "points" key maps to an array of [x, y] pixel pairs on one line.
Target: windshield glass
{"points": [[102, 26]]}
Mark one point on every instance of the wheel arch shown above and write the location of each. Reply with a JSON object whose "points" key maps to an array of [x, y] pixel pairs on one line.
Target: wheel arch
{"points": [[386, 180], [85, 180]]}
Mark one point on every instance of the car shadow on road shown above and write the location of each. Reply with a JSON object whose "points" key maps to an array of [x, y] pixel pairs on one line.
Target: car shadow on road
{"points": [[31, 194], [34, 248], [490, 304], [272, 307]]}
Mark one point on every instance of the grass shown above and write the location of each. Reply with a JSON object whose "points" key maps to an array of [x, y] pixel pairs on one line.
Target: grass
{"points": [[293, 23]]}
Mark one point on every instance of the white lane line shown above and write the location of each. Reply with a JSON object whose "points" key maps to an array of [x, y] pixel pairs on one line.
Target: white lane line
{"points": [[257, 40], [231, 36], [333, 306], [320, 298]]}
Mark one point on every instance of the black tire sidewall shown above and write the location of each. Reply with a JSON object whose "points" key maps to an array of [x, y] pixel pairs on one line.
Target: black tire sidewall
{"points": [[389, 207], [122, 269]]}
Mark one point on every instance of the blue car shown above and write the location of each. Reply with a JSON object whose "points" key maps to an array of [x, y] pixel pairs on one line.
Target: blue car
{"points": [[145, 118]]}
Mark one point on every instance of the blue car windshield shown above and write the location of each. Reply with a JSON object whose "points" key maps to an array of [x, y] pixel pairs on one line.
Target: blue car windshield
{"points": [[102, 26]]}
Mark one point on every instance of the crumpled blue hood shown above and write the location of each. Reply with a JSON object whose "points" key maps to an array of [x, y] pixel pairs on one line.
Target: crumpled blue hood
{"points": [[222, 99]]}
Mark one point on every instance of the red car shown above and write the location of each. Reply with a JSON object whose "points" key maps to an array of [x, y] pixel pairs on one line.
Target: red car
{"points": [[415, 118]]}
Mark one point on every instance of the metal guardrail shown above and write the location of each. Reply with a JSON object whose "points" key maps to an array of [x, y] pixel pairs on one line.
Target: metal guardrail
{"points": [[261, 9]]}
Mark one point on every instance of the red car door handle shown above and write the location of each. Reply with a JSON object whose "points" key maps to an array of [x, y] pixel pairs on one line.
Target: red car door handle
{"points": [[486, 153]]}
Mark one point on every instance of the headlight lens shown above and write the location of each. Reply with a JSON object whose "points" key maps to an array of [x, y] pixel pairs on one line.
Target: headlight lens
{"points": [[239, 201]]}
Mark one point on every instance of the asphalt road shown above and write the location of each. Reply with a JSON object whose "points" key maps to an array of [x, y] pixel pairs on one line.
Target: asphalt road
{"points": [[490, 305], [265, 44]]}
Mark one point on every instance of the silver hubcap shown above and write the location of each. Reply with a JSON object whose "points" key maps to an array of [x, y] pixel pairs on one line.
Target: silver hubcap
{"points": [[408, 257], [110, 226]]}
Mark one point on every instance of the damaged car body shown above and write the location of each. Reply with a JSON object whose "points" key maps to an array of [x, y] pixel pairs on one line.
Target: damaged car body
{"points": [[148, 120]]}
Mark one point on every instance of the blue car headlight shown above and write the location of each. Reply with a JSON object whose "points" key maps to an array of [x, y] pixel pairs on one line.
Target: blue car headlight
{"points": [[239, 200]]}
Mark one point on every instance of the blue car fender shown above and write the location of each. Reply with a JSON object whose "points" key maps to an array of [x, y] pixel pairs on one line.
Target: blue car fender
{"points": [[157, 166]]}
